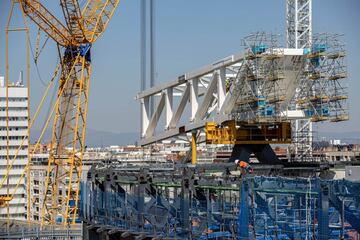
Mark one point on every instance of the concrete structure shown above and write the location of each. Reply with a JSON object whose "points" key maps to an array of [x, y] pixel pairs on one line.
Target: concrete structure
{"points": [[338, 153], [17, 130]]}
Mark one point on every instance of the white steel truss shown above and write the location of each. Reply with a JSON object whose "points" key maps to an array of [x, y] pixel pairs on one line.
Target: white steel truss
{"points": [[211, 93], [299, 35], [299, 23]]}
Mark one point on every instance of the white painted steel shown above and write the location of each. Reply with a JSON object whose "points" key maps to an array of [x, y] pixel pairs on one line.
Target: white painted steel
{"points": [[202, 95], [299, 35]]}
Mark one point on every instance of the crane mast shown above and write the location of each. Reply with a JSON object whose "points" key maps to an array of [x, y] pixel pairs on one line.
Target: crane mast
{"points": [[299, 35], [68, 136], [75, 39]]}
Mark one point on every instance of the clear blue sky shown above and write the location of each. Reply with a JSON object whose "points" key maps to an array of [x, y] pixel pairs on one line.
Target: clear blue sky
{"points": [[189, 34]]}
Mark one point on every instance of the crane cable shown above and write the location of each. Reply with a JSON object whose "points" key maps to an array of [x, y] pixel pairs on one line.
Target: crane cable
{"points": [[35, 58], [31, 123], [37, 51], [47, 123]]}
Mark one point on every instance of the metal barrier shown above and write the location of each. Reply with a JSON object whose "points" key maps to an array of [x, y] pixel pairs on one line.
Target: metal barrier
{"points": [[16, 229], [250, 208], [209, 206]]}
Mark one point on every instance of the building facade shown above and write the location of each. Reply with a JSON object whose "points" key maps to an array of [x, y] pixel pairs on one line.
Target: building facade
{"points": [[13, 139], [38, 174]]}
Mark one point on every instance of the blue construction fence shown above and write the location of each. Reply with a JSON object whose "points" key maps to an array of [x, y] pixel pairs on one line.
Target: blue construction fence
{"points": [[285, 208], [253, 208]]}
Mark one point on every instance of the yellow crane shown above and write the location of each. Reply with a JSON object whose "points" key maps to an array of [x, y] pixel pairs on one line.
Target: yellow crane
{"points": [[74, 38]]}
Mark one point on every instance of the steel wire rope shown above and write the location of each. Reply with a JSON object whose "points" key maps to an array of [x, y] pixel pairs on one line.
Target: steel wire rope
{"points": [[35, 58], [36, 62], [31, 123], [43, 130]]}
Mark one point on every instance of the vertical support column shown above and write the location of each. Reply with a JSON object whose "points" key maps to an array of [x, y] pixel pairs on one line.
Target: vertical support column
{"points": [[194, 91], [276, 218], [221, 87], [152, 52], [342, 218], [193, 148], [298, 206], [323, 212], [142, 59], [168, 106], [145, 115], [140, 201], [296, 24], [208, 208], [310, 22], [185, 199], [107, 195], [87, 200], [92, 197], [243, 220], [310, 136]]}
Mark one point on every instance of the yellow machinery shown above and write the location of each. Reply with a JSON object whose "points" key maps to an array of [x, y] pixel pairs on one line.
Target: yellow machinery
{"points": [[4, 200], [230, 133], [74, 40]]}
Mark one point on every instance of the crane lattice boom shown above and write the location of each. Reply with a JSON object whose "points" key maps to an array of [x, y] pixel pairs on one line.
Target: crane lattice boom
{"points": [[76, 36]]}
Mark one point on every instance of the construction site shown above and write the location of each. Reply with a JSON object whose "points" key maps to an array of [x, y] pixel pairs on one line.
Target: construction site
{"points": [[222, 127]]}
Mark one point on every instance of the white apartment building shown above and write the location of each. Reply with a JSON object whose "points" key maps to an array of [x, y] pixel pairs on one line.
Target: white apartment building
{"points": [[37, 189], [18, 127]]}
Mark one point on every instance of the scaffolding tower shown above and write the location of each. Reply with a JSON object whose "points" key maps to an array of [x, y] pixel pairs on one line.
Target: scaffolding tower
{"points": [[261, 90], [326, 74]]}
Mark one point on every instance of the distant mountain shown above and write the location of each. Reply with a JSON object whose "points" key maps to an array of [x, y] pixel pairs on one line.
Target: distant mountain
{"points": [[95, 138], [102, 138]]}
